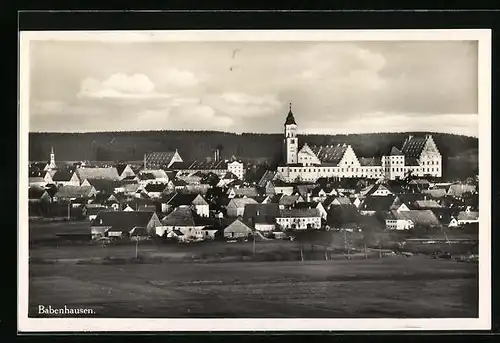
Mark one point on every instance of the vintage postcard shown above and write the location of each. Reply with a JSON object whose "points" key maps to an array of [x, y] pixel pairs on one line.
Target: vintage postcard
{"points": [[254, 180]]}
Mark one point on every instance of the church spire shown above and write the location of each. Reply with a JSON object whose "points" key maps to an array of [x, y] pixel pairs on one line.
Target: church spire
{"points": [[290, 120]]}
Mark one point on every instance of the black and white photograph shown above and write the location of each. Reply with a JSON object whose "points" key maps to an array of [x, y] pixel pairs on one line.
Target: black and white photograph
{"points": [[254, 180]]}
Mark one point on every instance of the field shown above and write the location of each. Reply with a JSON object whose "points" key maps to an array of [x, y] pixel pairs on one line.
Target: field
{"points": [[219, 279]]}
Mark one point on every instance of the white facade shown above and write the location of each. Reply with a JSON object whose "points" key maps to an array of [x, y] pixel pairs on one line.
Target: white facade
{"points": [[299, 223], [305, 165], [399, 224], [237, 169]]}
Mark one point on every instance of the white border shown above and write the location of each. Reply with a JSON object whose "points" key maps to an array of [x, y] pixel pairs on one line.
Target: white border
{"points": [[26, 324]]}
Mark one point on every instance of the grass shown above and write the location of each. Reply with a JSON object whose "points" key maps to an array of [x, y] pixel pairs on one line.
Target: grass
{"points": [[390, 287]]}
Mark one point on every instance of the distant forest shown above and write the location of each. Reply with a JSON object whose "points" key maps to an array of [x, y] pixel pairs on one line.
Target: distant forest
{"points": [[460, 152]]}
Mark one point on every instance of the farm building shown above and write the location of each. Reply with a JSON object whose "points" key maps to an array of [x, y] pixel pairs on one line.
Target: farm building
{"points": [[236, 206], [195, 201], [237, 229], [407, 220], [123, 221], [299, 219], [184, 219]]}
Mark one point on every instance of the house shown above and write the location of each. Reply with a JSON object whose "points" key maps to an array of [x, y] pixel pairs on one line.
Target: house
{"points": [[226, 179], [467, 217], [48, 178], [287, 201], [65, 193], [237, 229], [356, 201], [269, 175], [154, 190], [209, 232], [299, 219], [236, 206], [107, 173], [176, 235], [310, 205], [195, 189], [281, 187], [418, 185], [407, 220], [426, 205], [194, 201], [262, 217], [125, 171], [123, 221], [184, 219], [334, 201], [241, 192], [161, 160], [304, 189], [102, 185], [262, 199], [458, 190], [66, 178], [236, 168], [435, 193], [191, 178], [378, 189]]}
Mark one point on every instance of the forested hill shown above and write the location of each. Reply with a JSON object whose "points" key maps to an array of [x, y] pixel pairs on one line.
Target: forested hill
{"points": [[113, 146]]}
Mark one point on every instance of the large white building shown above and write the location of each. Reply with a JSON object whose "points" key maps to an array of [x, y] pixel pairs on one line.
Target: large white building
{"points": [[419, 156]]}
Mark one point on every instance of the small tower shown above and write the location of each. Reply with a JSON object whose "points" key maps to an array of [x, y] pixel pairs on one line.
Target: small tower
{"points": [[291, 141]]}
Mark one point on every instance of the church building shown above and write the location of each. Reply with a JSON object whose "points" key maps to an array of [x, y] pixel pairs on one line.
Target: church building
{"points": [[419, 156]]}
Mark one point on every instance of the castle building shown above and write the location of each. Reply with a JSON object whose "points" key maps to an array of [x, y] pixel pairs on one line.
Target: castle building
{"points": [[419, 156]]}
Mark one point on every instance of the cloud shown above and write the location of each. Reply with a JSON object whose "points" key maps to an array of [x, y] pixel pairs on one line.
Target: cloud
{"points": [[136, 86], [172, 77]]}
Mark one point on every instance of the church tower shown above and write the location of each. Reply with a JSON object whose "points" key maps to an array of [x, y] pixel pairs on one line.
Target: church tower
{"points": [[291, 142], [52, 164]]}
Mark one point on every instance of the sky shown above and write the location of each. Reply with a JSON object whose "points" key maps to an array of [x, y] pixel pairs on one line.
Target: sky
{"points": [[334, 87]]}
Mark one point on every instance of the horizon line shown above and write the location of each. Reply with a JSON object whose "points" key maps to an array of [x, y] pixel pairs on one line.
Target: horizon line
{"points": [[250, 133]]}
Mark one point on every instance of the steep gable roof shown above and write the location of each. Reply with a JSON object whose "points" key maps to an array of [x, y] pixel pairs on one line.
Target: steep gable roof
{"points": [[159, 159], [104, 185], [246, 191], [183, 216], [241, 202], [62, 175], [238, 226], [35, 193], [288, 200], [69, 192], [413, 146], [329, 154], [268, 176], [377, 203]]}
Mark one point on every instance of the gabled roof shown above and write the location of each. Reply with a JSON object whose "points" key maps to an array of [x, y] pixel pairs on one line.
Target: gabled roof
{"points": [[458, 190], [159, 159], [229, 176], [329, 154], [342, 201], [304, 189], [200, 165], [246, 191], [241, 202], [183, 216], [155, 187], [120, 167], [109, 173], [299, 213], [288, 200], [260, 198], [435, 192], [104, 185], [122, 220], [376, 187], [427, 204], [238, 226], [306, 205], [62, 175], [413, 146], [418, 217], [184, 199], [69, 192]]}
